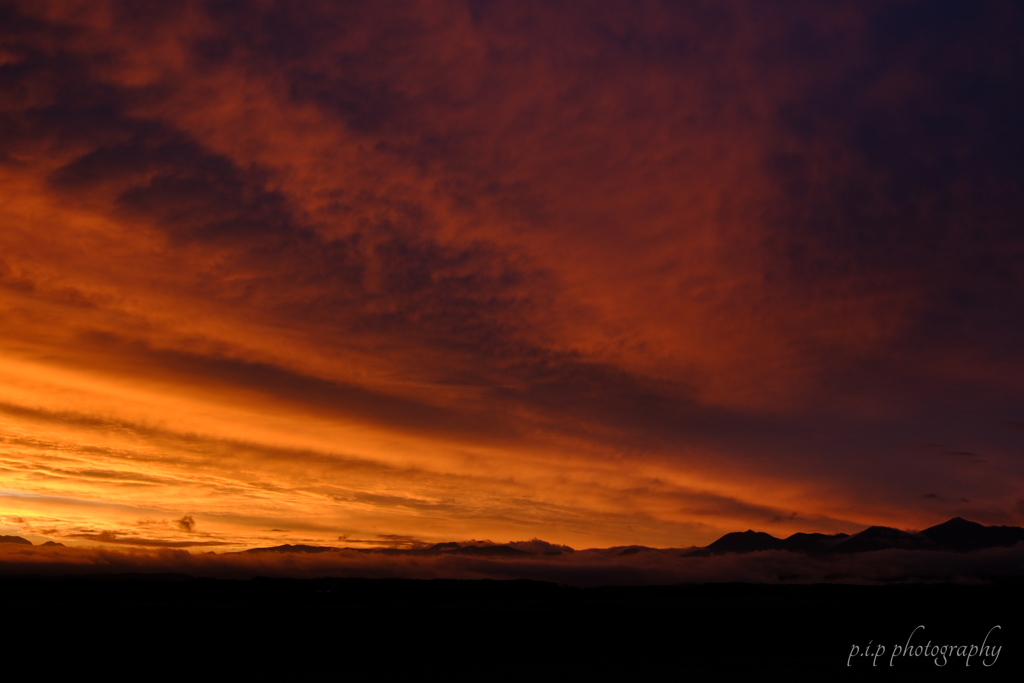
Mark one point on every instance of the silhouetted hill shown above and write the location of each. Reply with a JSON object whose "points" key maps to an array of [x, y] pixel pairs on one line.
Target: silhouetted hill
{"points": [[746, 542], [813, 543], [292, 549], [632, 549], [753, 541], [963, 536], [441, 547], [488, 551], [957, 534], [883, 538], [15, 539], [450, 548]]}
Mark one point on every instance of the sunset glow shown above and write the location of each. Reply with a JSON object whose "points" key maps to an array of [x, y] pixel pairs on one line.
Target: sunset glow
{"points": [[365, 274]]}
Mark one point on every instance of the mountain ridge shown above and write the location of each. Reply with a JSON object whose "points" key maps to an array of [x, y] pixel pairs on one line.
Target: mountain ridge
{"points": [[957, 535]]}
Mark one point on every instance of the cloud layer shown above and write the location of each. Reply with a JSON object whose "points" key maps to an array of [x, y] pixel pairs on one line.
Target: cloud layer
{"points": [[605, 567]]}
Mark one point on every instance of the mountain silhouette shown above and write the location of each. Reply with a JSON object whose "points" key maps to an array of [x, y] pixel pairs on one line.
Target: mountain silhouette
{"points": [[957, 534], [754, 541], [883, 538], [450, 548], [292, 549], [442, 547], [15, 539], [813, 543], [488, 551], [632, 549], [746, 542], [963, 536]]}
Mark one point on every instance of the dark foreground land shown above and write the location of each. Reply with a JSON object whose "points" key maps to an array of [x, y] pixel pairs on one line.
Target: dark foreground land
{"points": [[134, 627]]}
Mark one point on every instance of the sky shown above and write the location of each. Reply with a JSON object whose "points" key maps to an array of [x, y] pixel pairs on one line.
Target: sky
{"points": [[597, 273]]}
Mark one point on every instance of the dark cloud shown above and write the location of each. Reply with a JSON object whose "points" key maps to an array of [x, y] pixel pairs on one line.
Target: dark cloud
{"points": [[159, 176], [168, 180], [909, 169]]}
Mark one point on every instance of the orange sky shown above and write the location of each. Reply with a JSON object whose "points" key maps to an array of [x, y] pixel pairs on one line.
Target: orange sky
{"points": [[594, 273]]}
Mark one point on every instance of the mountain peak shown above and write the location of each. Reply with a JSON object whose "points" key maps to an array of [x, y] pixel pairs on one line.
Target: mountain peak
{"points": [[962, 535], [957, 534], [288, 548], [746, 542], [15, 539]]}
